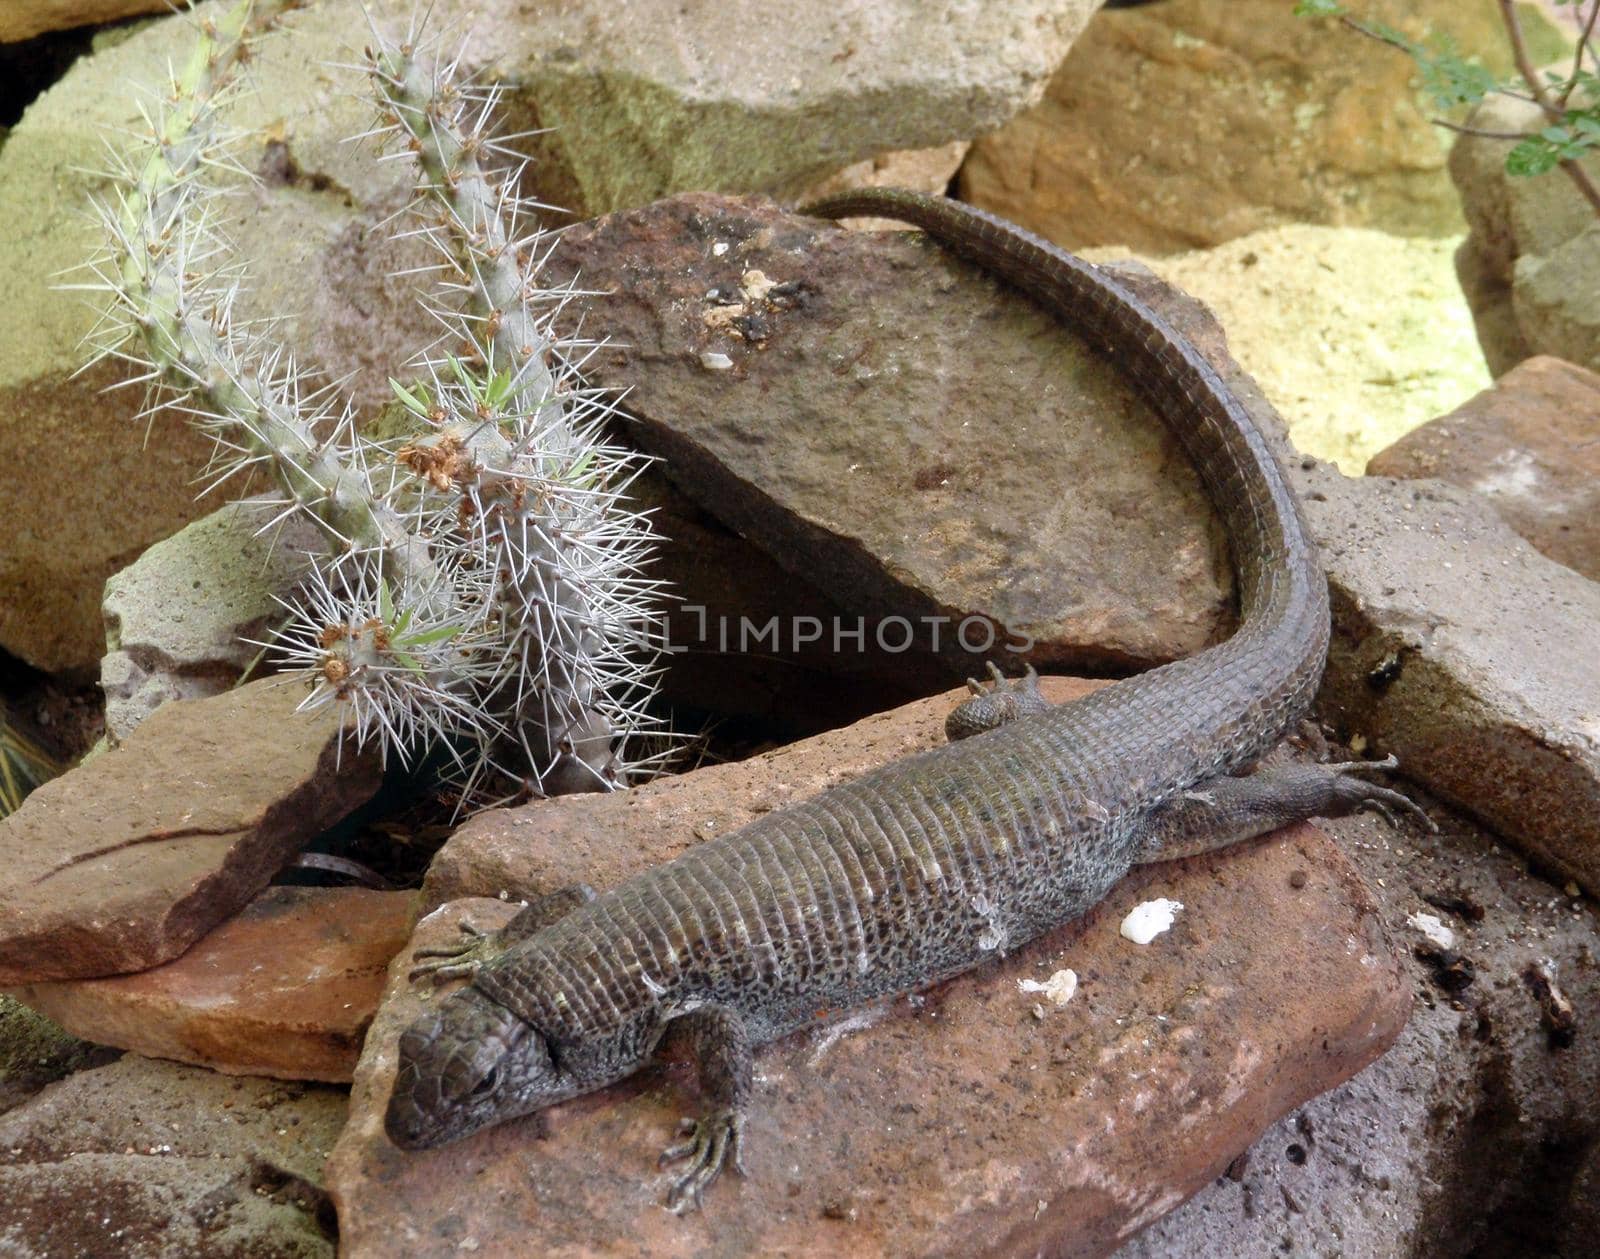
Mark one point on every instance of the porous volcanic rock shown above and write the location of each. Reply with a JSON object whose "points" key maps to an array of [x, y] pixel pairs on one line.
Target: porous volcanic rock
{"points": [[961, 1122], [1529, 445], [125, 861], [285, 988], [152, 1160]]}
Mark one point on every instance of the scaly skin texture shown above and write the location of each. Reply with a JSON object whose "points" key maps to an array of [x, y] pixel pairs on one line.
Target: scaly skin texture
{"points": [[931, 864]]}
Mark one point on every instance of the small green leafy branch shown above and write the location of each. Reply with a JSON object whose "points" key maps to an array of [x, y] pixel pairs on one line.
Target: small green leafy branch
{"points": [[1568, 100], [481, 589]]}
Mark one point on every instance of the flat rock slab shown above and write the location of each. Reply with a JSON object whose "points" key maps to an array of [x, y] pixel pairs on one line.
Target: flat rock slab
{"points": [[930, 447], [285, 989], [960, 1123], [1469, 655], [128, 859], [151, 1160], [1529, 445], [524, 852]]}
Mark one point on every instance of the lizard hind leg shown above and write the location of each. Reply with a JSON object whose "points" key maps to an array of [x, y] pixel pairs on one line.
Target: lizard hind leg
{"points": [[476, 946], [1003, 699], [1227, 810], [720, 1043]]}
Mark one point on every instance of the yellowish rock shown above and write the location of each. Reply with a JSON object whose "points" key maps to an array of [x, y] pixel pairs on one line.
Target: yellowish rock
{"points": [[1356, 336]]}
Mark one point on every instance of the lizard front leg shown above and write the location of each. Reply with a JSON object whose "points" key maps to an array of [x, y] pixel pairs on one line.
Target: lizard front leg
{"points": [[477, 946], [1227, 810], [717, 1037]]}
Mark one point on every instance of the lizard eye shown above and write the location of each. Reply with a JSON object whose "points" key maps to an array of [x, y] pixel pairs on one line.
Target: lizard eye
{"points": [[489, 1083]]}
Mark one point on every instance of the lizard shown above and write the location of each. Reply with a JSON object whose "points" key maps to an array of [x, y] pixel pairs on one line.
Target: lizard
{"points": [[935, 862]]}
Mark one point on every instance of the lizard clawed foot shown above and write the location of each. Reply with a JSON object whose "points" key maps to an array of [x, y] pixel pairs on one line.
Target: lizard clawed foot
{"points": [[1365, 797], [993, 704], [444, 962], [714, 1140]]}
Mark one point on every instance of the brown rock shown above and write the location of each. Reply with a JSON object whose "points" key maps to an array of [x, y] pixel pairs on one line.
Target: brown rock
{"points": [[127, 860], [1465, 652], [915, 438], [1531, 445], [1189, 123], [961, 1123], [604, 839], [285, 989], [23, 19]]}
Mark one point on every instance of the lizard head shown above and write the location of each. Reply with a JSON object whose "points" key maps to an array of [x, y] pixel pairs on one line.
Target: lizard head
{"points": [[465, 1065]]}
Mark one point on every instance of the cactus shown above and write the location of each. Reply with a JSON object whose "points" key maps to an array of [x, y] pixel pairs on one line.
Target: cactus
{"points": [[23, 766], [481, 589]]}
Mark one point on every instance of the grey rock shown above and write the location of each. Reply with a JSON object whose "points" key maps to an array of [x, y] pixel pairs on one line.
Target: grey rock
{"points": [[645, 98], [1472, 1135], [124, 861], [1469, 655], [1530, 265], [152, 1160], [178, 619]]}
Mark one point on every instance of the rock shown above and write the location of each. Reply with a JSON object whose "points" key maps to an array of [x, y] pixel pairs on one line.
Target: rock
{"points": [[1530, 265], [1189, 123], [36, 1051], [962, 1124], [125, 861], [898, 428], [633, 115], [180, 618], [23, 19], [1528, 445], [604, 839], [1354, 335], [285, 989], [151, 1160], [1467, 654], [1471, 1135], [923, 170]]}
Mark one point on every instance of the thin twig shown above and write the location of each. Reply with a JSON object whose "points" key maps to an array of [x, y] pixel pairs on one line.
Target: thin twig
{"points": [[1481, 132], [1519, 50], [1577, 53], [1586, 42]]}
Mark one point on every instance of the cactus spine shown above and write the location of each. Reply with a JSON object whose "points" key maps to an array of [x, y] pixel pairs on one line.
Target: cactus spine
{"points": [[482, 586]]}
